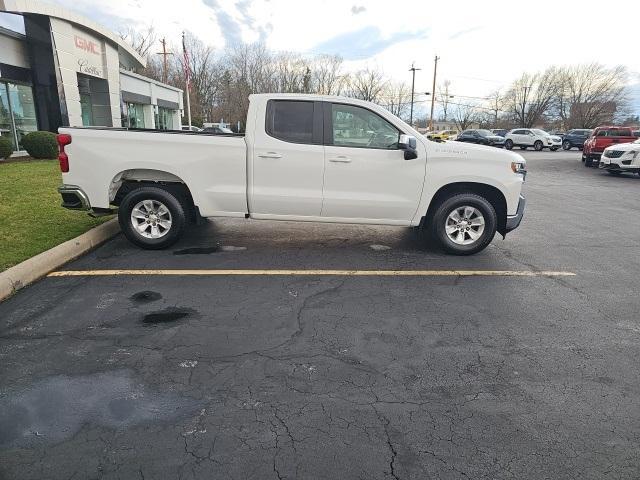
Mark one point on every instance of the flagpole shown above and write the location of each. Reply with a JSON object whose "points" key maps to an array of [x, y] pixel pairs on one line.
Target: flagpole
{"points": [[188, 108], [187, 79]]}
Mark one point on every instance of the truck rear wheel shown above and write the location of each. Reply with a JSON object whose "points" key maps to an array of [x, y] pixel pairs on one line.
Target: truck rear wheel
{"points": [[151, 217], [464, 224]]}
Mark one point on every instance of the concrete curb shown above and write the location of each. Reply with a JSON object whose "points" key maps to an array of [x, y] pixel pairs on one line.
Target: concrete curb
{"points": [[27, 272]]}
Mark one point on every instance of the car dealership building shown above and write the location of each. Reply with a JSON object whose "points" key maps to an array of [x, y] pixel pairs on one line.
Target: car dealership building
{"points": [[61, 69]]}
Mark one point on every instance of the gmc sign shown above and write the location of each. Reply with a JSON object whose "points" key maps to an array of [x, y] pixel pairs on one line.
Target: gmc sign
{"points": [[86, 45]]}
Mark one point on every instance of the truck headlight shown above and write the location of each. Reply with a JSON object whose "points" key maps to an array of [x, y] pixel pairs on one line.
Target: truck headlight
{"points": [[633, 153], [519, 167]]}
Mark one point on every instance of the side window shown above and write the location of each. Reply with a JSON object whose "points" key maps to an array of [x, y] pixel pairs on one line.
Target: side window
{"points": [[358, 127], [602, 133], [290, 120], [518, 132]]}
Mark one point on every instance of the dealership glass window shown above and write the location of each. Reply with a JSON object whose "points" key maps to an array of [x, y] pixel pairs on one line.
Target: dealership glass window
{"points": [[135, 115], [24, 110], [164, 119], [6, 123], [17, 112], [86, 109]]}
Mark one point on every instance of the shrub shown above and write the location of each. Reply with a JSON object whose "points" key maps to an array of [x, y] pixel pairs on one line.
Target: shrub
{"points": [[6, 147], [41, 144]]}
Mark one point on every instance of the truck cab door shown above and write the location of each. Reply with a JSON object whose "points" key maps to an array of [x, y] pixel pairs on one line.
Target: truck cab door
{"points": [[366, 176], [287, 160]]}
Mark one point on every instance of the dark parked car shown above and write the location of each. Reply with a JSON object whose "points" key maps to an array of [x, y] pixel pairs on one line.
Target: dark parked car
{"points": [[482, 137], [636, 133], [575, 138]]}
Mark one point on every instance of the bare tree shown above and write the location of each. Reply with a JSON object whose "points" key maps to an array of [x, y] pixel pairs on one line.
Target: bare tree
{"points": [[367, 85], [326, 75], [465, 115], [140, 40], [531, 96], [590, 95], [495, 101], [443, 96], [396, 97]]}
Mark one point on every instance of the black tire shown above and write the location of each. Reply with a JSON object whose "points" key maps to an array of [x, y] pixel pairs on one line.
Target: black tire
{"points": [[438, 222], [538, 145], [588, 161], [583, 158], [566, 145], [170, 201], [508, 144]]}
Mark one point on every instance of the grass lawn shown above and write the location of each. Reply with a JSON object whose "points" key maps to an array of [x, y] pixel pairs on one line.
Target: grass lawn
{"points": [[31, 218]]}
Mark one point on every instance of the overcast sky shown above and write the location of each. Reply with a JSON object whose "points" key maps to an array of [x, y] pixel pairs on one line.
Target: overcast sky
{"points": [[483, 45]]}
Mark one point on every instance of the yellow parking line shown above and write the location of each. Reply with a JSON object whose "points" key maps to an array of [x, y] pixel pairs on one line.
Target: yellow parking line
{"points": [[347, 273]]}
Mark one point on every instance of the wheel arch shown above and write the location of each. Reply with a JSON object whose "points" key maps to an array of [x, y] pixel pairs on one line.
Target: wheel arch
{"points": [[491, 193], [128, 180]]}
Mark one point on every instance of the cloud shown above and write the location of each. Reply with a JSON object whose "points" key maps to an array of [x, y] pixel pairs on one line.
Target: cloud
{"points": [[231, 30], [356, 9], [461, 33], [364, 43]]}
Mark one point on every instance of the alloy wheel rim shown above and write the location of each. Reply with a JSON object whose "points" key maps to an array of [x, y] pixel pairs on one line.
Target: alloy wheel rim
{"points": [[151, 219], [464, 225]]}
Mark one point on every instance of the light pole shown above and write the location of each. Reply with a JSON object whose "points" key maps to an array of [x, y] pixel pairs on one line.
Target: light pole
{"points": [[433, 97], [413, 83]]}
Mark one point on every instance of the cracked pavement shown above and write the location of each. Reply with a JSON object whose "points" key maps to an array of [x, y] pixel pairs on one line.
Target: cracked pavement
{"points": [[339, 377]]}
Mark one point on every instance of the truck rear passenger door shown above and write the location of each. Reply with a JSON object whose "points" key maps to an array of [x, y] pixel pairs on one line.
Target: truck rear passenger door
{"points": [[287, 160], [366, 176]]}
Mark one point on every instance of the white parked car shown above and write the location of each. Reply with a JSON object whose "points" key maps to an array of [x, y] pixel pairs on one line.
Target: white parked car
{"points": [[307, 158], [532, 137], [192, 128], [621, 157]]}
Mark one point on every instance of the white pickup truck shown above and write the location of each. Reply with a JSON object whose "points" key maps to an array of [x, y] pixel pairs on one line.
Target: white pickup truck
{"points": [[304, 158]]}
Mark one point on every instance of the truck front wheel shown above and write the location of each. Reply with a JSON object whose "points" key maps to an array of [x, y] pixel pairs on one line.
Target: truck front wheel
{"points": [[151, 217], [464, 224]]}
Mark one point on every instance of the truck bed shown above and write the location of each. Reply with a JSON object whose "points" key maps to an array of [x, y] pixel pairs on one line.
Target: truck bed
{"points": [[213, 165]]}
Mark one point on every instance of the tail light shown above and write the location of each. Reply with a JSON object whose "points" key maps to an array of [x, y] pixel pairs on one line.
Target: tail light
{"points": [[64, 139]]}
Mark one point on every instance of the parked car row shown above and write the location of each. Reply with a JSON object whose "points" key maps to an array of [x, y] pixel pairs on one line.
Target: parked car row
{"points": [[518, 137]]}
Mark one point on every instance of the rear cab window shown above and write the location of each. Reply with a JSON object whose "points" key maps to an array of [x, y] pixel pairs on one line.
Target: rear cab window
{"points": [[294, 121]]}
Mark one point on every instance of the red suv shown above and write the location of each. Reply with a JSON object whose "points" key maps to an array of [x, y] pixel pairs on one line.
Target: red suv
{"points": [[601, 138]]}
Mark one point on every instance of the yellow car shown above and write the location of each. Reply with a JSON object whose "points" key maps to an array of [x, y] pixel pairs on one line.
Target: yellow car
{"points": [[443, 135]]}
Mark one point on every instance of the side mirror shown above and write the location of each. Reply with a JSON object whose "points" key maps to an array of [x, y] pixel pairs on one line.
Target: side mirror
{"points": [[408, 143]]}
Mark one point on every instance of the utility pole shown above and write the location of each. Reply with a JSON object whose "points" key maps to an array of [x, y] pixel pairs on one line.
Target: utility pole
{"points": [[164, 54], [433, 91], [524, 103], [413, 83]]}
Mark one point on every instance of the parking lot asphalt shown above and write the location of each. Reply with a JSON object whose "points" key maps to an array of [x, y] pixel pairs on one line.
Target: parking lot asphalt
{"points": [[368, 377]]}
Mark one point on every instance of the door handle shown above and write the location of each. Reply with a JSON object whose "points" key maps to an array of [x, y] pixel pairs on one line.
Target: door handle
{"points": [[340, 159], [270, 155]]}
